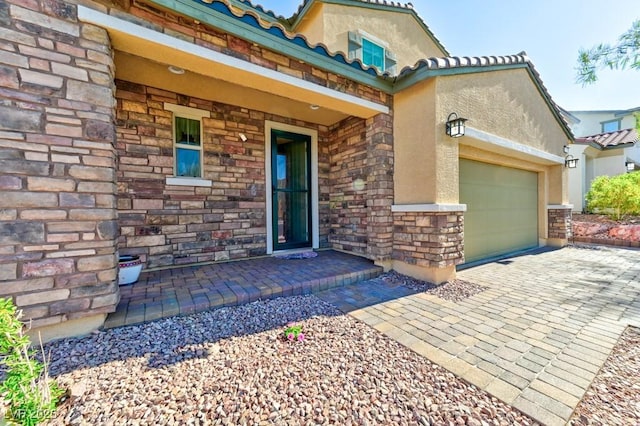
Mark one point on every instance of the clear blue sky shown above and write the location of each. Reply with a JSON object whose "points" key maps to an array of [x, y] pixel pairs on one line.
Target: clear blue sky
{"points": [[550, 31]]}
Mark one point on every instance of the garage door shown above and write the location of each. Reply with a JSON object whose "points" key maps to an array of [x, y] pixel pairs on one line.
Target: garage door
{"points": [[502, 209]]}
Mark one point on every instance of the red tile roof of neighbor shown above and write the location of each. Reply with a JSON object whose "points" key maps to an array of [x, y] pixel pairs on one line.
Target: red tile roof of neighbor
{"points": [[611, 139]]}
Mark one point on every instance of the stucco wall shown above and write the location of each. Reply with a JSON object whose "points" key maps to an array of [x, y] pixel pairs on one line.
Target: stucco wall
{"points": [[578, 178], [404, 35], [504, 103], [414, 131]]}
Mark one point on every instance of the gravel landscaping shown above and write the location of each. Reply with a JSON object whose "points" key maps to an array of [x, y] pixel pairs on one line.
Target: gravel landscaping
{"points": [[232, 366], [614, 395], [454, 290]]}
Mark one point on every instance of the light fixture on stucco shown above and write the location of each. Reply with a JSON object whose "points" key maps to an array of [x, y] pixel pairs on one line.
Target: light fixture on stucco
{"points": [[570, 162], [455, 125], [630, 165], [565, 149], [314, 107], [175, 70]]}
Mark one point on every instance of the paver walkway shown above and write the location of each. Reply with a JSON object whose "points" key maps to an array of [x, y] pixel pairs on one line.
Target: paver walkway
{"points": [[180, 291], [535, 338]]}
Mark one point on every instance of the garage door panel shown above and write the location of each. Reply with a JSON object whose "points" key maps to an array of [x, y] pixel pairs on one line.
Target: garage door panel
{"points": [[502, 209]]}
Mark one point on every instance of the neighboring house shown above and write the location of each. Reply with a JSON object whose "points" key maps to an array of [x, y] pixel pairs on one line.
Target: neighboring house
{"points": [[603, 121], [604, 154], [193, 131]]}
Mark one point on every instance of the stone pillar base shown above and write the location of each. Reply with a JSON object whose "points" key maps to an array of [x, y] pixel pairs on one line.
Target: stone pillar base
{"points": [[428, 240], [424, 273], [559, 219], [71, 328]]}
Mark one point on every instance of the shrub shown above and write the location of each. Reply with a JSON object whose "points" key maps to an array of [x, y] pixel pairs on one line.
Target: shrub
{"points": [[29, 394], [615, 196]]}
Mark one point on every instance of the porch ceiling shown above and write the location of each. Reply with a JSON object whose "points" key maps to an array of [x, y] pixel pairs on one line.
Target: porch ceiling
{"points": [[143, 55], [128, 67]]}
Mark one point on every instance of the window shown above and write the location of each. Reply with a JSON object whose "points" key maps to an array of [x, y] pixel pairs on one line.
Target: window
{"points": [[372, 54], [187, 140], [610, 126], [188, 149], [371, 51]]}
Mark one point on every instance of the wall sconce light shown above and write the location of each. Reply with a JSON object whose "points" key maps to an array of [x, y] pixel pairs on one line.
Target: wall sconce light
{"points": [[570, 162], [565, 149], [630, 165], [455, 125], [243, 137]]}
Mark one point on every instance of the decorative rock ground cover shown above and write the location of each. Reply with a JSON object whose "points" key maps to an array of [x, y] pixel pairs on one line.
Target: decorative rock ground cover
{"points": [[232, 366], [614, 395]]}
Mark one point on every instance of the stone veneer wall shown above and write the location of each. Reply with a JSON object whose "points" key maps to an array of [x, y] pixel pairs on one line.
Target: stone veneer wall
{"points": [[559, 223], [362, 186], [58, 227], [433, 240], [171, 225], [348, 199], [380, 223]]}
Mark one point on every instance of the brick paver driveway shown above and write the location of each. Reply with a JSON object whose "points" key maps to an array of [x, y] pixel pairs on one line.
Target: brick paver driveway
{"points": [[535, 338]]}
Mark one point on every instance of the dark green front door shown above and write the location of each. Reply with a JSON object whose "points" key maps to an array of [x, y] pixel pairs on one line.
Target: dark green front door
{"points": [[291, 186]]}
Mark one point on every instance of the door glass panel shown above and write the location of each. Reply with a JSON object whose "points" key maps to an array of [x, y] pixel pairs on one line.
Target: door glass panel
{"points": [[291, 195]]}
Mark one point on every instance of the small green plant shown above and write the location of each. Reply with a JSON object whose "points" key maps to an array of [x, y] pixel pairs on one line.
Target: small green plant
{"points": [[29, 394], [615, 196], [293, 333]]}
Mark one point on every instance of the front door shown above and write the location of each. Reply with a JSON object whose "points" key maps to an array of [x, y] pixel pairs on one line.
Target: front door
{"points": [[291, 186]]}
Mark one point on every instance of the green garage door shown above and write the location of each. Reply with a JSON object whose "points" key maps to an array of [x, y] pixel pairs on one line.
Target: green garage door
{"points": [[502, 209]]}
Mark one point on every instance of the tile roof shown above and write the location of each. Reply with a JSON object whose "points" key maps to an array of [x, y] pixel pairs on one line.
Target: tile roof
{"points": [[277, 29], [465, 61], [610, 139]]}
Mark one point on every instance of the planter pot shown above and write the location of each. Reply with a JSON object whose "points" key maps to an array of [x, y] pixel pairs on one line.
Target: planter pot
{"points": [[129, 269]]}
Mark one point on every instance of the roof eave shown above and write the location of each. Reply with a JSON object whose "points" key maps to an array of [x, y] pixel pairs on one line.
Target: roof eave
{"points": [[248, 27]]}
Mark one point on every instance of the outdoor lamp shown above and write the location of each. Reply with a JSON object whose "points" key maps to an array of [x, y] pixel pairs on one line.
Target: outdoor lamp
{"points": [[455, 125], [630, 165], [570, 162]]}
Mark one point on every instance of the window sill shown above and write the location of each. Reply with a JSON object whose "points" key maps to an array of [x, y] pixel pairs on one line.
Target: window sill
{"points": [[187, 181]]}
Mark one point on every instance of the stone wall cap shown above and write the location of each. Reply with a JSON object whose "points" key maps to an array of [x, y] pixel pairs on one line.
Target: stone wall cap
{"points": [[429, 208], [559, 206]]}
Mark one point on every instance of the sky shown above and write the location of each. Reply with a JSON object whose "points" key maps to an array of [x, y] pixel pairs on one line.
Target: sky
{"points": [[550, 31]]}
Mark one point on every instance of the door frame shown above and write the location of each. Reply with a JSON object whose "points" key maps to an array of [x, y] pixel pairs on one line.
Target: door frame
{"points": [[315, 218]]}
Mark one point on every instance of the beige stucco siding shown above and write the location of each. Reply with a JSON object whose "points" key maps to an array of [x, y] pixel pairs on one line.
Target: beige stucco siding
{"points": [[403, 34], [506, 104], [415, 145]]}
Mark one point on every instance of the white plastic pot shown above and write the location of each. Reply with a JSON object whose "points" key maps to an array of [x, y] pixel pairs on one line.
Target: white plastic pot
{"points": [[129, 269]]}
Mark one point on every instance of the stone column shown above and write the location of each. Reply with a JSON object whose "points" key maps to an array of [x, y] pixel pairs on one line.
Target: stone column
{"points": [[559, 219], [379, 136], [58, 221], [428, 241]]}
